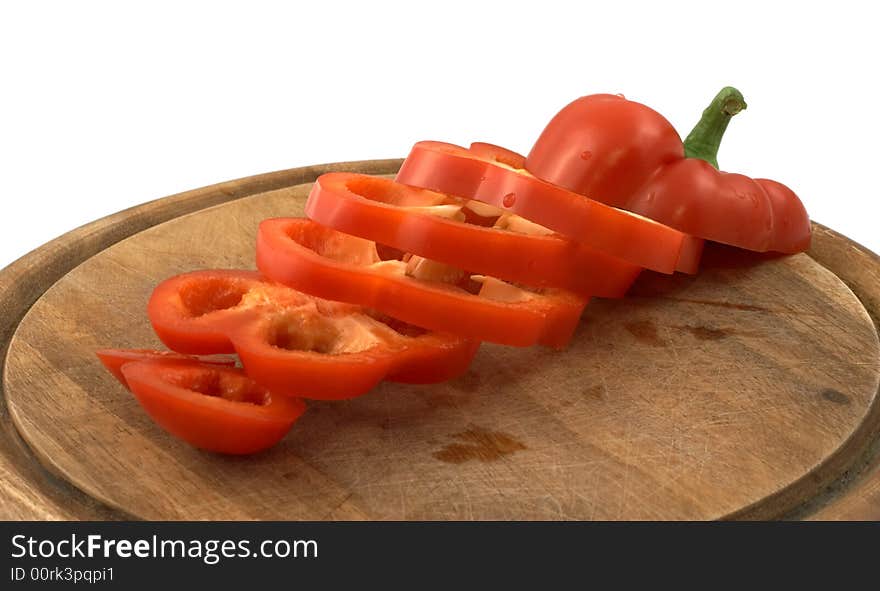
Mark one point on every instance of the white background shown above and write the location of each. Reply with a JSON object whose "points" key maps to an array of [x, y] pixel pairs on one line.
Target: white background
{"points": [[104, 105]]}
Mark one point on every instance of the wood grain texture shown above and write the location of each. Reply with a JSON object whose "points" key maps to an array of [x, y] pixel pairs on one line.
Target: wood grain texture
{"points": [[743, 392]]}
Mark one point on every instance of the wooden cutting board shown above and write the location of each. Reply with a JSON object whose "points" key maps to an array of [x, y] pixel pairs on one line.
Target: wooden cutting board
{"points": [[748, 391]]}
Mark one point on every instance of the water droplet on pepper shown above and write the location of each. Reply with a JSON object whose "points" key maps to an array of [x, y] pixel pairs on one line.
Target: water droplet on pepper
{"points": [[586, 155], [509, 200]]}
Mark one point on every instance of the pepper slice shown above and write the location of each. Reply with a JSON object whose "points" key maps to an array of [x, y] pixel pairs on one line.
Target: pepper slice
{"points": [[114, 359], [498, 154], [639, 162], [451, 169], [371, 207], [215, 408], [691, 253], [691, 247], [327, 263], [296, 344]]}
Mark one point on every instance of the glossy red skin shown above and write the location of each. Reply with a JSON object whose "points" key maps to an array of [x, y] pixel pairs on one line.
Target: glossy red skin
{"points": [[289, 251], [498, 154], [451, 169], [172, 393], [755, 214], [425, 359], [362, 205], [183, 332], [692, 246], [418, 365], [691, 253], [636, 162], [114, 359], [605, 147], [245, 328]]}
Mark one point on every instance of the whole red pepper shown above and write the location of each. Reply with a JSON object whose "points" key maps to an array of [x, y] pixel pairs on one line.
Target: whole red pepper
{"points": [[625, 154]]}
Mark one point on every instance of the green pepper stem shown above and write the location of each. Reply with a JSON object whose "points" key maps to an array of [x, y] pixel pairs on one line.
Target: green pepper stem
{"points": [[705, 139]]}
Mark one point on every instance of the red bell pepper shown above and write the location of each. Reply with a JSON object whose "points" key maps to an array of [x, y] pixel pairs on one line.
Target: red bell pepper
{"points": [[623, 153], [604, 146], [456, 171], [690, 255], [387, 212], [329, 264], [296, 344], [498, 154], [691, 247], [212, 407], [114, 359]]}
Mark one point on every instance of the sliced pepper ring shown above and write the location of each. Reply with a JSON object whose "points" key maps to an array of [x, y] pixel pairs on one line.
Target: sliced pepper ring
{"points": [[330, 264], [691, 253], [296, 344], [368, 207], [454, 170], [691, 247], [114, 359], [193, 312], [214, 408], [498, 154]]}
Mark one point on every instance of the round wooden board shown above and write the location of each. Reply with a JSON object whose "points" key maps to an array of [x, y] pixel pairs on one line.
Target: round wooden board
{"points": [[742, 392]]}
